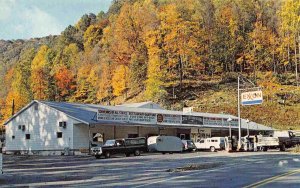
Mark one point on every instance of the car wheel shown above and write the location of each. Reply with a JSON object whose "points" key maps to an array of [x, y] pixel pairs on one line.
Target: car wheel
{"points": [[282, 148], [137, 152], [107, 155], [98, 156], [265, 148], [170, 152], [212, 149], [163, 153], [127, 154]]}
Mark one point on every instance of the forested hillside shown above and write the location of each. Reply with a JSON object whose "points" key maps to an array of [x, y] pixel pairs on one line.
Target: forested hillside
{"points": [[174, 52]]}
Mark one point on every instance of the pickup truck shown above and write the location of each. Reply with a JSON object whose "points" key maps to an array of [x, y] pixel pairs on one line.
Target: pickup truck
{"points": [[261, 142], [125, 146], [287, 139]]}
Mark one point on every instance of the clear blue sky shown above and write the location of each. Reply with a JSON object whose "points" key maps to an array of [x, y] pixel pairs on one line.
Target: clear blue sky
{"points": [[24, 19]]}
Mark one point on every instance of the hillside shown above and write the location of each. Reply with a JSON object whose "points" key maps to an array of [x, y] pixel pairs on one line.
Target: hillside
{"points": [[280, 109], [155, 50]]}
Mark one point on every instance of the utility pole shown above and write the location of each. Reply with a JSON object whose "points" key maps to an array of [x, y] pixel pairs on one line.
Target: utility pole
{"points": [[239, 115], [13, 107]]}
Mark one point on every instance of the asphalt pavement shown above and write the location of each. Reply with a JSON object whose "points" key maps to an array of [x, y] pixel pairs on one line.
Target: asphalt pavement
{"points": [[218, 169]]}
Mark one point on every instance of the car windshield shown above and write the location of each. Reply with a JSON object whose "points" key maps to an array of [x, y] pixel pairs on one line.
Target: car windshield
{"points": [[110, 143]]}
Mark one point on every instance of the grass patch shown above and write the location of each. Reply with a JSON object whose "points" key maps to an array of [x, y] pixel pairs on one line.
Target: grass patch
{"points": [[192, 167]]}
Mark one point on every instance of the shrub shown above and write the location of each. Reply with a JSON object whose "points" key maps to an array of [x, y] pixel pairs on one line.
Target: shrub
{"points": [[296, 149]]}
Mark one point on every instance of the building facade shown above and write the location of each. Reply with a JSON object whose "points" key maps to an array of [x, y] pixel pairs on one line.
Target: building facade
{"points": [[44, 127]]}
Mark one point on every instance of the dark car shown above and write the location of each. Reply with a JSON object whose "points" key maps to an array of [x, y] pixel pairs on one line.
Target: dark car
{"points": [[188, 145], [125, 146]]}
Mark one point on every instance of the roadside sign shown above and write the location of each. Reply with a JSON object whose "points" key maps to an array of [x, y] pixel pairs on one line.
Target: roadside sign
{"points": [[252, 98]]}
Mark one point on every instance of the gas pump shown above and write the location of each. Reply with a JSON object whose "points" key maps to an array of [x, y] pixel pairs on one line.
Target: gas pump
{"points": [[228, 144]]}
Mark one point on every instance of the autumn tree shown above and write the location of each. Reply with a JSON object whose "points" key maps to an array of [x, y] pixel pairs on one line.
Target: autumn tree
{"points": [[40, 74], [120, 80], [290, 31], [182, 35]]}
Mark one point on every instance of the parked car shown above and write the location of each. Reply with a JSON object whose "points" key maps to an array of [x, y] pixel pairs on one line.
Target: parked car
{"points": [[188, 145], [125, 146], [213, 144], [164, 144]]}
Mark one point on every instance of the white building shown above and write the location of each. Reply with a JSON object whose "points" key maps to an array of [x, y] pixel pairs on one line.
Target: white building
{"points": [[44, 127]]}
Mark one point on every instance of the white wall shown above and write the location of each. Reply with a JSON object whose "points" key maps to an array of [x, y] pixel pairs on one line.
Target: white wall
{"points": [[42, 125], [81, 136]]}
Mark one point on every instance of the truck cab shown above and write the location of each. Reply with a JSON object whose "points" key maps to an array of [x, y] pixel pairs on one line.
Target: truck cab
{"points": [[287, 139]]}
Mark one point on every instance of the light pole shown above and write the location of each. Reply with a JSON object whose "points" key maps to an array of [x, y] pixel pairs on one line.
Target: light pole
{"points": [[229, 122], [247, 121]]}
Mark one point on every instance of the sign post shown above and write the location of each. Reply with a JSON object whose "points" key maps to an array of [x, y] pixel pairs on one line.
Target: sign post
{"points": [[252, 97]]}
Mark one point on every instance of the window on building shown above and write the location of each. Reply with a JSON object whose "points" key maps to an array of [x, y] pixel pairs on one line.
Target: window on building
{"points": [[59, 134], [23, 127], [20, 126], [13, 137], [27, 136], [62, 124]]}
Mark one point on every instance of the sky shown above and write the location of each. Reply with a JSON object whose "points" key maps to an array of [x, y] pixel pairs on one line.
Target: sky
{"points": [[25, 19]]}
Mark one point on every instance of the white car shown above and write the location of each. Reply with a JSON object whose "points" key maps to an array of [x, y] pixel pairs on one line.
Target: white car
{"points": [[213, 144]]}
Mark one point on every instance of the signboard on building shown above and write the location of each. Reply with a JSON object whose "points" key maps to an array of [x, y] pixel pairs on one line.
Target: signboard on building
{"points": [[126, 117], [141, 117], [111, 115], [212, 121], [169, 119], [160, 119], [252, 98], [193, 120]]}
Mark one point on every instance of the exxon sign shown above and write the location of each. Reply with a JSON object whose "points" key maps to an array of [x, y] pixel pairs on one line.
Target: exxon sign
{"points": [[252, 98]]}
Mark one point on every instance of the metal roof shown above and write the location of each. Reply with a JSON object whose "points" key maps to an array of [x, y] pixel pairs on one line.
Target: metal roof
{"points": [[147, 104], [87, 113]]}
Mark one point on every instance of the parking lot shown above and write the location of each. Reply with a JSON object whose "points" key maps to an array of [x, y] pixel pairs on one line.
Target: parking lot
{"points": [[217, 169]]}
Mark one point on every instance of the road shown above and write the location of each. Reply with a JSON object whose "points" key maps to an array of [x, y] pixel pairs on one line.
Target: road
{"points": [[261, 169]]}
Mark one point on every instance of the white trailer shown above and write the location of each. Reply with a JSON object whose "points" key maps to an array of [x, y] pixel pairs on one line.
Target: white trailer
{"points": [[164, 144]]}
